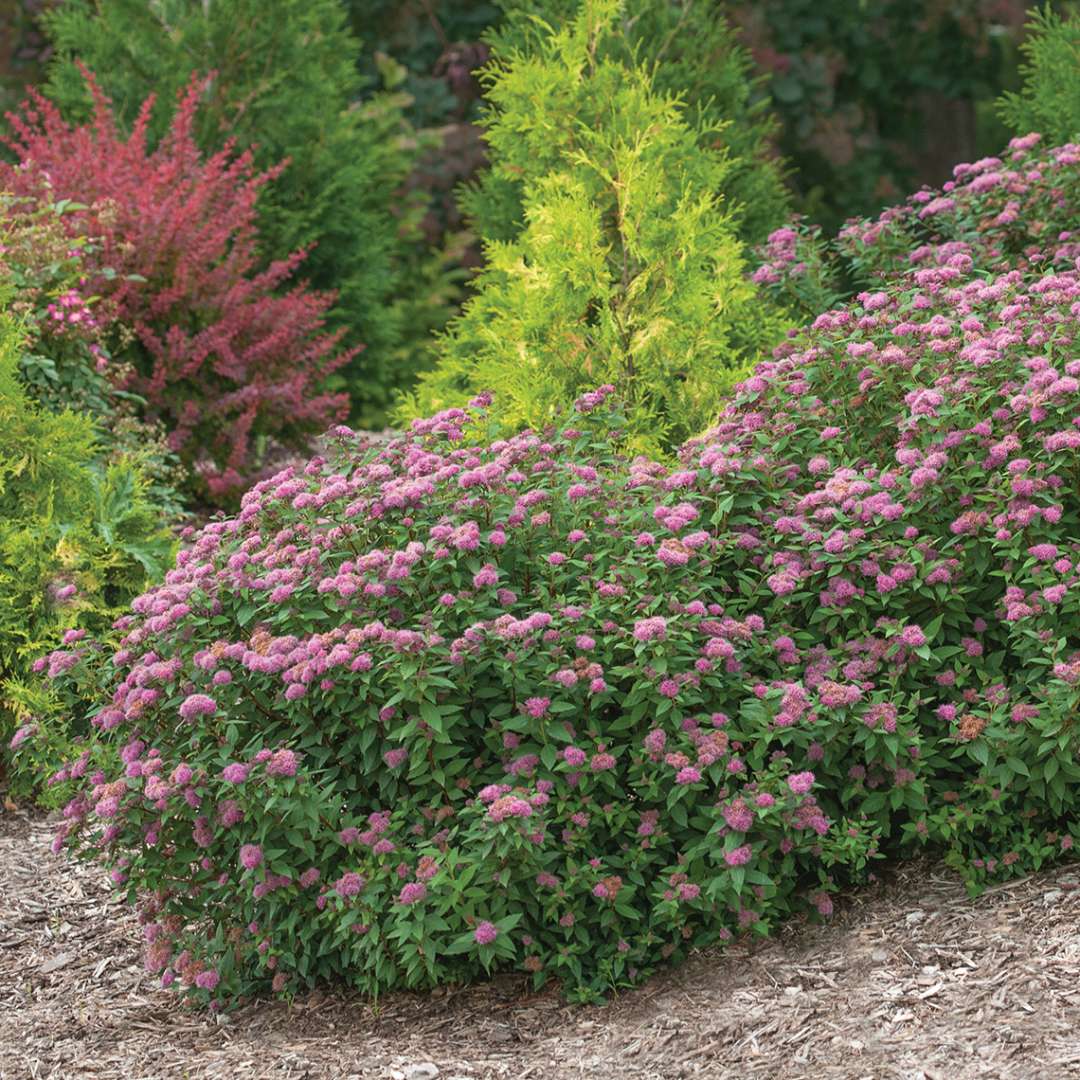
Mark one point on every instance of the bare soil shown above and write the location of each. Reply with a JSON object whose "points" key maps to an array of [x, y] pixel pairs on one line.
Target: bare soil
{"points": [[910, 980]]}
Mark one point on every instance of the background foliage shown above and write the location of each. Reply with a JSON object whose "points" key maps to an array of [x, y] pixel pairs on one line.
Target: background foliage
{"points": [[876, 96], [628, 269], [285, 88], [79, 538], [1049, 100]]}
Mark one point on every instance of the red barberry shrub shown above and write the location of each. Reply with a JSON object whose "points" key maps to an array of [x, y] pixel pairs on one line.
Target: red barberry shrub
{"points": [[225, 354], [425, 709]]}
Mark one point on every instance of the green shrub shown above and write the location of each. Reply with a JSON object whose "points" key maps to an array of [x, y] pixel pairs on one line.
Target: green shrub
{"points": [[70, 335], [78, 539], [1049, 101], [628, 269], [691, 53], [285, 87]]}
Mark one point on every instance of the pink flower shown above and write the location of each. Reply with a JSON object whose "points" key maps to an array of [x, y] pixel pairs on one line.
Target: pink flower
{"points": [[251, 856], [654, 629], [486, 576], [236, 773], [351, 883], [485, 933], [413, 893], [283, 763], [574, 756], [608, 888], [687, 775], [800, 783], [655, 741], [197, 705], [22, 735], [509, 806], [739, 856], [1043, 552], [207, 980]]}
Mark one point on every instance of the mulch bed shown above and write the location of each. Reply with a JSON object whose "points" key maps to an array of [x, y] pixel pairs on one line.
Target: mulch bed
{"points": [[910, 980]]}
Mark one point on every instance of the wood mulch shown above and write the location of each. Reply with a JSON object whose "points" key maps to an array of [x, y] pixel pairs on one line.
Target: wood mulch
{"points": [[910, 980]]}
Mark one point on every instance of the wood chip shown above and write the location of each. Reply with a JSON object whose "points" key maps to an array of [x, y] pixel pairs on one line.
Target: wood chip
{"points": [[970, 989]]}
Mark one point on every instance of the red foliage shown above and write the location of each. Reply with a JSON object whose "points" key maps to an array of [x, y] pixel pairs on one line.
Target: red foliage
{"points": [[222, 355]]}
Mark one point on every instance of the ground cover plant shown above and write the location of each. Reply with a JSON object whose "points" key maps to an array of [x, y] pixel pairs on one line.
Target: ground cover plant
{"points": [[452, 704], [225, 355], [628, 269]]}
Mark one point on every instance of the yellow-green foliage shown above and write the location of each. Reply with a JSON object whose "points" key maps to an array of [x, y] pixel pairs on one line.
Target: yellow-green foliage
{"points": [[628, 270], [690, 50], [66, 519], [1049, 101]]}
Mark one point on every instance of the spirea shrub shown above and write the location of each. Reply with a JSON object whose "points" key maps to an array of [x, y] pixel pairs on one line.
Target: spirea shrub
{"points": [[1014, 211], [628, 268], [226, 355], [447, 705]]}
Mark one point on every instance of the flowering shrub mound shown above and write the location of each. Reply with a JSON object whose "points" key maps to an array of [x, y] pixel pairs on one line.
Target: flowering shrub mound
{"points": [[221, 354], [996, 213], [428, 709]]}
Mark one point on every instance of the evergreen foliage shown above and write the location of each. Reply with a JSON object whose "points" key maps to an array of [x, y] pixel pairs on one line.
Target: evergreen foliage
{"points": [[284, 86], [1049, 101], [628, 270], [78, 540], [71, 335], [690, 51]]}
